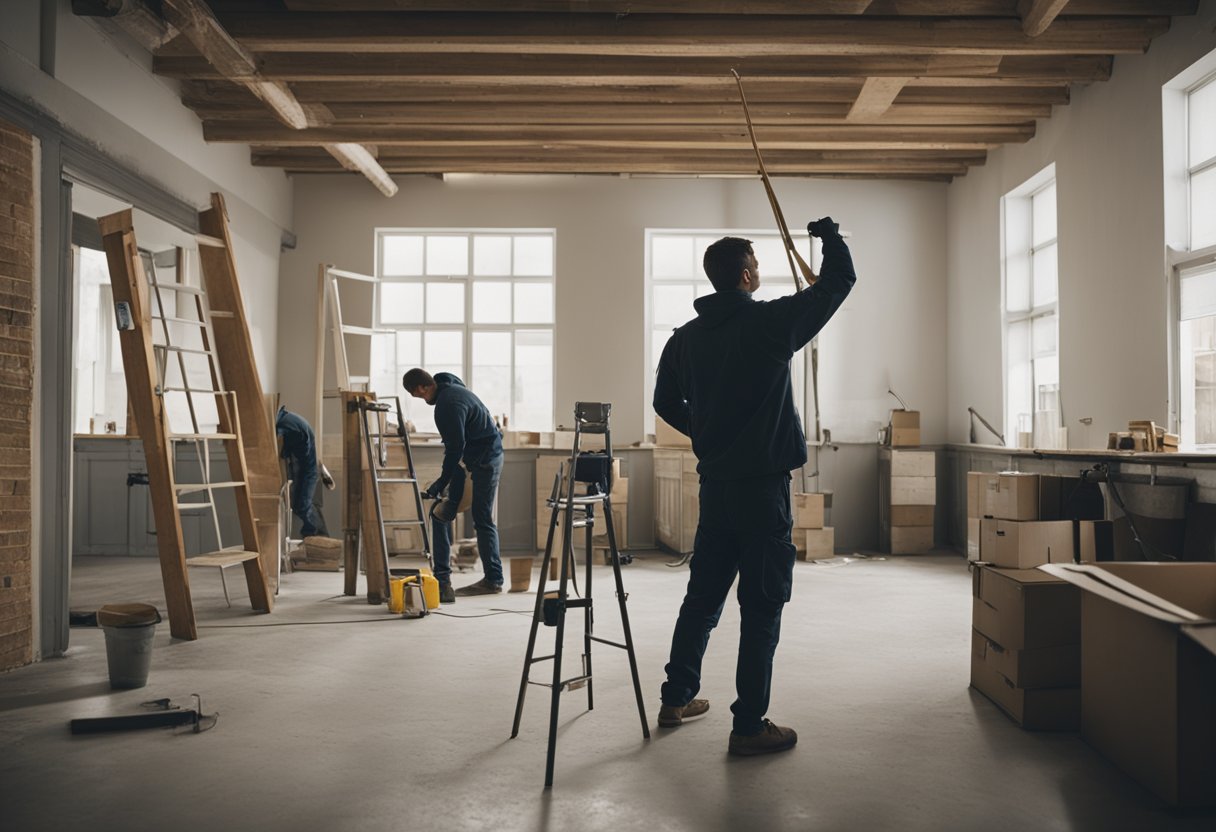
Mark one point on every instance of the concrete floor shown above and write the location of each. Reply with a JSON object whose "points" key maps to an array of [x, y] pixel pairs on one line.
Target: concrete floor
{"points": [[364, 721]]}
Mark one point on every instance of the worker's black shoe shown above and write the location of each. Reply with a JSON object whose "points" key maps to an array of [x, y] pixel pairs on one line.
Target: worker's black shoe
{"points": [[447, 595], [770, 740], [482, 587]]}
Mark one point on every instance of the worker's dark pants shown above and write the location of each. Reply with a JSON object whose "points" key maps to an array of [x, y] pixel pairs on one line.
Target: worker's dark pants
{"points": [[304, 475], [745, 530], [485, 490]]}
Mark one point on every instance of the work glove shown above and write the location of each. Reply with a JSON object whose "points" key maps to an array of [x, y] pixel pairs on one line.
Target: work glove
{"points": [[823, 227], [433, 491], [327, 478]]}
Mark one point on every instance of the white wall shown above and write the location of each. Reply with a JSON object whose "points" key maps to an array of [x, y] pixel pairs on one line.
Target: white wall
{"points": [[891, 331], [1107, 147], [103, 90]]}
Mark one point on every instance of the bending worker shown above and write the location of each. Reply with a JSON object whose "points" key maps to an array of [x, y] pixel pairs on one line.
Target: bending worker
{"points": [[300, 451], [724, 380], [469, 435]]}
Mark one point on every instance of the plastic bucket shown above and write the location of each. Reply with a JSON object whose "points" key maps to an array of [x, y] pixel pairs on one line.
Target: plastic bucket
{"points": [[129, 630]]}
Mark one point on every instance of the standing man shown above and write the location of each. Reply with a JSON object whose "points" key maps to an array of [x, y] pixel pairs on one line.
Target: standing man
{"points": [[300, 451], [469, 435], [724, 380]]}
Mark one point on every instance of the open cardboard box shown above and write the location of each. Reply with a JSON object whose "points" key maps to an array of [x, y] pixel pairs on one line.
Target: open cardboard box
{"points": [[1148, 672]]}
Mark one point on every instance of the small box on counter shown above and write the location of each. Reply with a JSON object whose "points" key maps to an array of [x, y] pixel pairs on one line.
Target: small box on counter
{"points": [[808, 511]]}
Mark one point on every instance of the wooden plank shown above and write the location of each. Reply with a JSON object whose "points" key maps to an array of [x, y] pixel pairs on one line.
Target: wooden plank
{"points": [[234, 351], [130, 286], [353, 455], [1038, 15], [594, 70], [668, 137], [746, 35], [876, 97]]}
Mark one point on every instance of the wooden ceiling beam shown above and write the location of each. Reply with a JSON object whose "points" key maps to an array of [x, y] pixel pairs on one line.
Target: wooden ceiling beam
{"points": [[742, 36], [353, 115], [1038, 15], [197, 23], [611, 135], [515, 70], [926, 8], [876, 97]]}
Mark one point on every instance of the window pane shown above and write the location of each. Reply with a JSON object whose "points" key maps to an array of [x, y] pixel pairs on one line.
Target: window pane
{"points": [[447, 255], [400, 303], [534, 256], [409, 350], [444, 349], [704, 288], [492, 370], [533, 303], [772, 291], [1201, 124], [671, 257], [402, 255], [1198, 293], [1203, 209], [1017, 283], [492, 256], [533, 380], [1018, 403], [384, 376], [1044, 336], [491, 302], [673, 304], [1043, 207], [770, 254], [1046, 276], [445, 303]]}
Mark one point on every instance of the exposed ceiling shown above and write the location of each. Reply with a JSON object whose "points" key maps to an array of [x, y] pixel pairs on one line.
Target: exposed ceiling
{"points": [[881, 88]]}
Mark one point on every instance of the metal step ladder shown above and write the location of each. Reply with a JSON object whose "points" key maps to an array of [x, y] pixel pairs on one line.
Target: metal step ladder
{"points": [[575, 511], [168, 357], [377, 439]]}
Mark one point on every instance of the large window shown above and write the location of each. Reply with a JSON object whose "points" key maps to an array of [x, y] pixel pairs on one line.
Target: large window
{"points": [[1031, 316], [1195, 277], [471, 302], [676, 278]]}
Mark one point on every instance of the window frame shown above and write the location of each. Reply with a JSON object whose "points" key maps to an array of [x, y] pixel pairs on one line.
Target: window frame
{"points": [[468, 328]]}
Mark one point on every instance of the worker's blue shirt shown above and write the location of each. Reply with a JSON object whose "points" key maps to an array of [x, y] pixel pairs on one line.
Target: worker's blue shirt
{"points": [[299, 443], [724, 377], [465, 425]]}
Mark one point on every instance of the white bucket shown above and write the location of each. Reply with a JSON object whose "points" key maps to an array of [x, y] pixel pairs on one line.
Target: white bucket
{"points": [[129, 654]]}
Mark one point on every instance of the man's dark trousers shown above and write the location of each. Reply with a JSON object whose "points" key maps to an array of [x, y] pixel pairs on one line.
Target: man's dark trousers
{"points": [[485, 478], [744, 529], [303, 486]]}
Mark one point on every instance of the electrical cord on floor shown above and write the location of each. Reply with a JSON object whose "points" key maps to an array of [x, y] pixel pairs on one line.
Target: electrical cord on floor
{"points": [[355, 620], [483, 614]]}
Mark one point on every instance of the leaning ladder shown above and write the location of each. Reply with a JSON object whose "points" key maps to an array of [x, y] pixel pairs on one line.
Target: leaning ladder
{"points": [[550, 609], [379, 474], [146, 327]]}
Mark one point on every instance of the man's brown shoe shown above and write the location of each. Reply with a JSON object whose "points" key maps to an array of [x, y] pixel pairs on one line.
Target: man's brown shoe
{"points": [[672, 715], [770, 740]]}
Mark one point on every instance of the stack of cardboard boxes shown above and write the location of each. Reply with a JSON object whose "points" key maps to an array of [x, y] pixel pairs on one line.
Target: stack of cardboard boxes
{"points": [[813, 539], [911, 497], [1026, 646], [1019, 521]]}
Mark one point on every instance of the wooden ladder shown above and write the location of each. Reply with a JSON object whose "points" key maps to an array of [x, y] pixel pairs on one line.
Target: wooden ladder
{"points": [[148, 321]]}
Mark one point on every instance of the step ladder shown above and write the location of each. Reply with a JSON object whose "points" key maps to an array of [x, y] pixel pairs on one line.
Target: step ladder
{"points": [[575, 511], [168, 351], [377, 439]]}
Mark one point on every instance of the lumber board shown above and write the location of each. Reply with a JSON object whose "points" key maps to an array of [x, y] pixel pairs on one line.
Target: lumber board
{"points": [[920, 8]]}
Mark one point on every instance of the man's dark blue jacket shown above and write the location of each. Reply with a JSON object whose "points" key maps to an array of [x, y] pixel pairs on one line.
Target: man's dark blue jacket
{"points": [[724, 377], [298, 440], [466, 427]]}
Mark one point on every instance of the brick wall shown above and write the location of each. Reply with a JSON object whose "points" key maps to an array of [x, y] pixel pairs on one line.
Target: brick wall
{"points": [[17, 179]]}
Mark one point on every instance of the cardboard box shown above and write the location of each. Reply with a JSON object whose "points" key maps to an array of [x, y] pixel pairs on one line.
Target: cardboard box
{"points": [[1026, 544], [1017, 496], [564, 440], [913, 491], [978, 484], [808, 511], [1050, 709], [911, 540], [1148, 672], [1095, 541], [665, 436], [913, 464], [912, 515], [905, 437], [820, 543], [973, 538], [520, 439], [902, 419], [1025, 609], [1045, 667]]}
